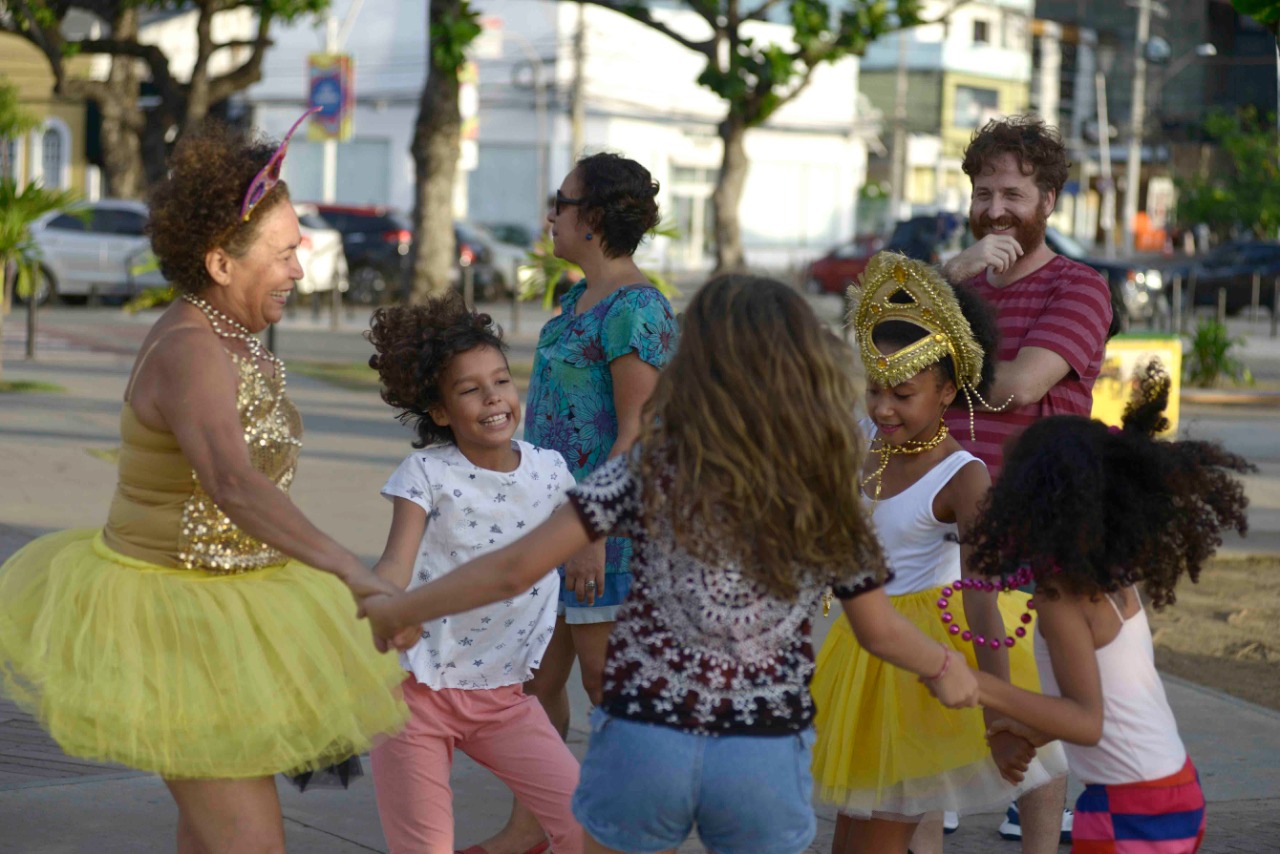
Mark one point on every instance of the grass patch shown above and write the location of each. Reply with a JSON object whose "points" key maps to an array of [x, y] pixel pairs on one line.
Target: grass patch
{"points": [[29, 386], [358, 376]]}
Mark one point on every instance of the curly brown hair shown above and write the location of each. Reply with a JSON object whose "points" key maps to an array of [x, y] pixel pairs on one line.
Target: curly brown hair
{"points": [[1092, 509], [196, 207], [618, 201], [415, 344], [1037, 147], [753, 418]]}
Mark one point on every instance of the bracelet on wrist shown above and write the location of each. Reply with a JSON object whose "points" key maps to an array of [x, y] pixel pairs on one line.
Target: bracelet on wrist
{"points": [[946, 663]]}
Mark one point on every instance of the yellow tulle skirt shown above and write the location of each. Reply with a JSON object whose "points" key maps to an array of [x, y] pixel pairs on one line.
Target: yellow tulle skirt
{"points": [[187, 674], [886, 748]]}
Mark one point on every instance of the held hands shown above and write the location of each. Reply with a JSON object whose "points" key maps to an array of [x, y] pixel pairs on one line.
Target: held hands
{"points": [[584, 573], [996, 252], [1033, 736], [387, 631], [955, 686], [1011, 753]]}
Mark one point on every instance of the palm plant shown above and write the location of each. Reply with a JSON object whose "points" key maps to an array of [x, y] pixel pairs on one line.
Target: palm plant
{"points": [[543, 270]]}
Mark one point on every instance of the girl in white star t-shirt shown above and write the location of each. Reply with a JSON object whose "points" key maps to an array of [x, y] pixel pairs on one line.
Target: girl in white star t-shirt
{"points": [[469, 489]]}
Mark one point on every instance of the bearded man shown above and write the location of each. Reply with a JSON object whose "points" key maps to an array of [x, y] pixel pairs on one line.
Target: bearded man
{"points": [[1054, 315]]}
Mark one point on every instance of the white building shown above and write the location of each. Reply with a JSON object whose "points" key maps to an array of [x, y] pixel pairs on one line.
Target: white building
{"points": [[641, 100]]}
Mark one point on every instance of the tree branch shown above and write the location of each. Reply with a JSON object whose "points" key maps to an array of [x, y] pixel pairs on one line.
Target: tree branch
{"points": [[762, 13], [153, 56], [637, 12], [250, 71]]}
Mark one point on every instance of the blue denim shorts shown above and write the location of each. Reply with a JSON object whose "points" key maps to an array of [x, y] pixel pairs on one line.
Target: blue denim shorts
{"points": [[644, 788]]}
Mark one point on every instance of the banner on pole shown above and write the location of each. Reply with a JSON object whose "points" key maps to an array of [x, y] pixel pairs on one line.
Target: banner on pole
{"points": [[331, 87]]}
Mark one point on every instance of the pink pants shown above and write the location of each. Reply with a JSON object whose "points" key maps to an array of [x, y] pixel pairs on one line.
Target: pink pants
{"points": [[502, 729]]}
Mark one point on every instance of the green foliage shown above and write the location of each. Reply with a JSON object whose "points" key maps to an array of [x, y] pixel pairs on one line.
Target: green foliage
{"points": [[19, 208], [759, 77], [1265, 12], [543, 270], [14, 121], [450, 34], [150, 297], [1210, 360], [1248, 196]]}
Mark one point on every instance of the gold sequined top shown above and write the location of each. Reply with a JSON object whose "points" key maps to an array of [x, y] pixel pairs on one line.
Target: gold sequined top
{"points": [[161, 513]]}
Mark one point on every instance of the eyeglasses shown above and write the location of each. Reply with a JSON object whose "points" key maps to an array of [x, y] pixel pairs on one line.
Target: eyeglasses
{"points": [[270, 174], [563, 201]]}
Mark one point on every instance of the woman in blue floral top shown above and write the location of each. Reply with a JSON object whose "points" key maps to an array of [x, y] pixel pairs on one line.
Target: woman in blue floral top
{"points": [[596, 365]]}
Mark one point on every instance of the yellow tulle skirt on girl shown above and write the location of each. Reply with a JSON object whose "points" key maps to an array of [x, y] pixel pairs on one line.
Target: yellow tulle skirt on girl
{"points": [[190, 674], [887, 749]]}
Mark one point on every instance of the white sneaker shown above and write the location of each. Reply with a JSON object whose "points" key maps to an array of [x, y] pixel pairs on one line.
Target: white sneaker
{"points": [[1011, 827], [950, 822]]}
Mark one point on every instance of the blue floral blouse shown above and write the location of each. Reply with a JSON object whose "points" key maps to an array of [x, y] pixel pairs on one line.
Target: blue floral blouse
{"points": [[570, 406]]}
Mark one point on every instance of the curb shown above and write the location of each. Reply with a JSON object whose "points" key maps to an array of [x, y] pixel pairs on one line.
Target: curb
{"points": [[1217, 397]]}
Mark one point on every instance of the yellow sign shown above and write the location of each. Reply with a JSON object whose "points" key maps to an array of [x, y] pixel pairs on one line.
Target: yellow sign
{"points": [[1125, 354]]}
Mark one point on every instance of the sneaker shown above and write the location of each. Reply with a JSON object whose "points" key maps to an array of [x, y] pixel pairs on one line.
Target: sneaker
{"points": [[950, 822], [1011, 827]]}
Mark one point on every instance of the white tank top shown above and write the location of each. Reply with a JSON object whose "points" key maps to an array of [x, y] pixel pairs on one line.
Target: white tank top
{"points": [[920, 551], [1139, 734]]}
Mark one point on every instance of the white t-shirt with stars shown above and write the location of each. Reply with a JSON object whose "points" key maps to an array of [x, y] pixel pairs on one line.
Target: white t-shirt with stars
{"points": [[470, 511]]}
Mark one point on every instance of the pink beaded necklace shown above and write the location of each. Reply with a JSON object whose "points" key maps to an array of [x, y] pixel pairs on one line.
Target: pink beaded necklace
{"points": [[1014, 581]]}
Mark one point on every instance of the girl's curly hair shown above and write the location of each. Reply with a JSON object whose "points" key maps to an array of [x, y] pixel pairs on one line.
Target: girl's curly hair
{"points": [[415, 344], [196, 208], [618, 201], [751, 435], [1092, 508], [981, 318]]}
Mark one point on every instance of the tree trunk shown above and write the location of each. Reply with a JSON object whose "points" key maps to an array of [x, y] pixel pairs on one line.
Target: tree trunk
{"points": [[122, 122], [197, 106], [436, 146], [728, 195]]}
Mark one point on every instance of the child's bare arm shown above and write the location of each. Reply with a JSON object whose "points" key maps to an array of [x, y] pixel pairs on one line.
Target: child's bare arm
{"points": [[500, 574], [408, 523], [1076, 716]]}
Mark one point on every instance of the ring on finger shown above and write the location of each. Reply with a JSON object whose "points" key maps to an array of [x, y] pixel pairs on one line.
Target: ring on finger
{"points": [[591, 584]]}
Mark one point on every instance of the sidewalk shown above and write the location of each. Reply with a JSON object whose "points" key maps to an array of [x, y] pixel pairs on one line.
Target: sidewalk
{"points": [[54, 477]]}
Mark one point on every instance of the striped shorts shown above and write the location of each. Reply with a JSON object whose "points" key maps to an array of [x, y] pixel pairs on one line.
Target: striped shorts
{"points": [[1164, 816]]}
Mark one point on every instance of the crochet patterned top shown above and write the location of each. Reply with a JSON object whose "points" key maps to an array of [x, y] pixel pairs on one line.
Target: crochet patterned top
{"points": [[697, 646]]}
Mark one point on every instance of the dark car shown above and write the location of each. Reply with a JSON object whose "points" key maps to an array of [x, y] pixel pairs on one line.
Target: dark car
{"points": [[839, 268], [1137, 289], [377, 241], [1232, 267]]}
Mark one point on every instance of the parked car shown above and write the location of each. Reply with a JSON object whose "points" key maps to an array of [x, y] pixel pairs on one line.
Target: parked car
{"points": [[1232, 266], [508, 260], [320, 254], [89, 249], [840, 267], [378, 239], [1137, 289], [512, 232]]}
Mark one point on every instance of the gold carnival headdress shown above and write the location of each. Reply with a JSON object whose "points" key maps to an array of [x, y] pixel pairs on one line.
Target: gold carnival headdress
{"points": [[893, 287], [926, 301]]}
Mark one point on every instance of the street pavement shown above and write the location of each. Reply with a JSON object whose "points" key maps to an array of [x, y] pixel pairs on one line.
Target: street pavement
{"points": [[56, 472]]}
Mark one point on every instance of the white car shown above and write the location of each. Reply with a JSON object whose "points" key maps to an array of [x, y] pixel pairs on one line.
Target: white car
{"points": [[324, 264], [89, 250]]}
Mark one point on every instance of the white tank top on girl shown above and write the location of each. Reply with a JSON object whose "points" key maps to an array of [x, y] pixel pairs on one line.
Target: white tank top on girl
{"points": [[921, 551], [1139, 734]]}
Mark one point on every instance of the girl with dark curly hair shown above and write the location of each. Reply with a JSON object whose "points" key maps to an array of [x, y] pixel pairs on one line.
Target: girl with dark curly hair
{"points": [[596, 364], [888, 757], [1093, 513], [471, 488], [205, 634], [741, 498]]}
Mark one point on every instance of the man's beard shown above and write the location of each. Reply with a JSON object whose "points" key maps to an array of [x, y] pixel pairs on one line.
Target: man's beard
{"points": [[1029, 235]]}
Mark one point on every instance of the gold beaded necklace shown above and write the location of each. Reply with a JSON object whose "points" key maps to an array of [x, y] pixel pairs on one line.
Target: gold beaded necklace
{"points": [[908, 448], [226, 327]]}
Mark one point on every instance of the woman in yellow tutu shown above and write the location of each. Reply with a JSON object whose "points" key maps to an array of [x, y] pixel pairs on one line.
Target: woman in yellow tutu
{"points": [[207, 633], [886, 756]]}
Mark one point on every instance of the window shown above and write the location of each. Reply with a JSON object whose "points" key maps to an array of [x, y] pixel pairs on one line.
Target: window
{"points": [[118, 221], [975, 106], [981, 32], [68, 222], [9, 159], [53, 153]]}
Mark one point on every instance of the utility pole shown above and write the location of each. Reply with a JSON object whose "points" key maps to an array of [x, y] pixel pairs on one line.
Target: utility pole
{"points": [[578, 101], [898, 166], [1107, 216], [1133, 164]]}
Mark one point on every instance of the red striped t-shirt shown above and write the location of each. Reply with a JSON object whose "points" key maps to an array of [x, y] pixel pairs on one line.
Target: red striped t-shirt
{"points": [[1065, 306]]}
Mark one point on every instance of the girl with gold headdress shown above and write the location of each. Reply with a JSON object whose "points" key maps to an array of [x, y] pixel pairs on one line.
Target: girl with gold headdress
{"points": [[886, 755]]}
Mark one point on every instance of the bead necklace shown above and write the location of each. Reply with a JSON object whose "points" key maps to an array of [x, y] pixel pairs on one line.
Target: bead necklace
{"points": [[237, 330], [1018, 579], [908, 448]]}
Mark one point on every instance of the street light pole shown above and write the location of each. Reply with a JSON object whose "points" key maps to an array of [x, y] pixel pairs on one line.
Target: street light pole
{"points": [[898, 166], [1133, 163]]}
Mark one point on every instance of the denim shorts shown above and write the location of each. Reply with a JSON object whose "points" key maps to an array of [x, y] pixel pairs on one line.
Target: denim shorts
{"points": [[644, 788]]}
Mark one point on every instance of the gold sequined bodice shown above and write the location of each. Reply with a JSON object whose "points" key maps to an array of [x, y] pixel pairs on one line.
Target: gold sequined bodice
{"points": [[161, 513]]}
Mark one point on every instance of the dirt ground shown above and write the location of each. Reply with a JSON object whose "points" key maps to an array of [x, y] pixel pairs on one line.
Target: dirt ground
{"points": [[1225, 631]]}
